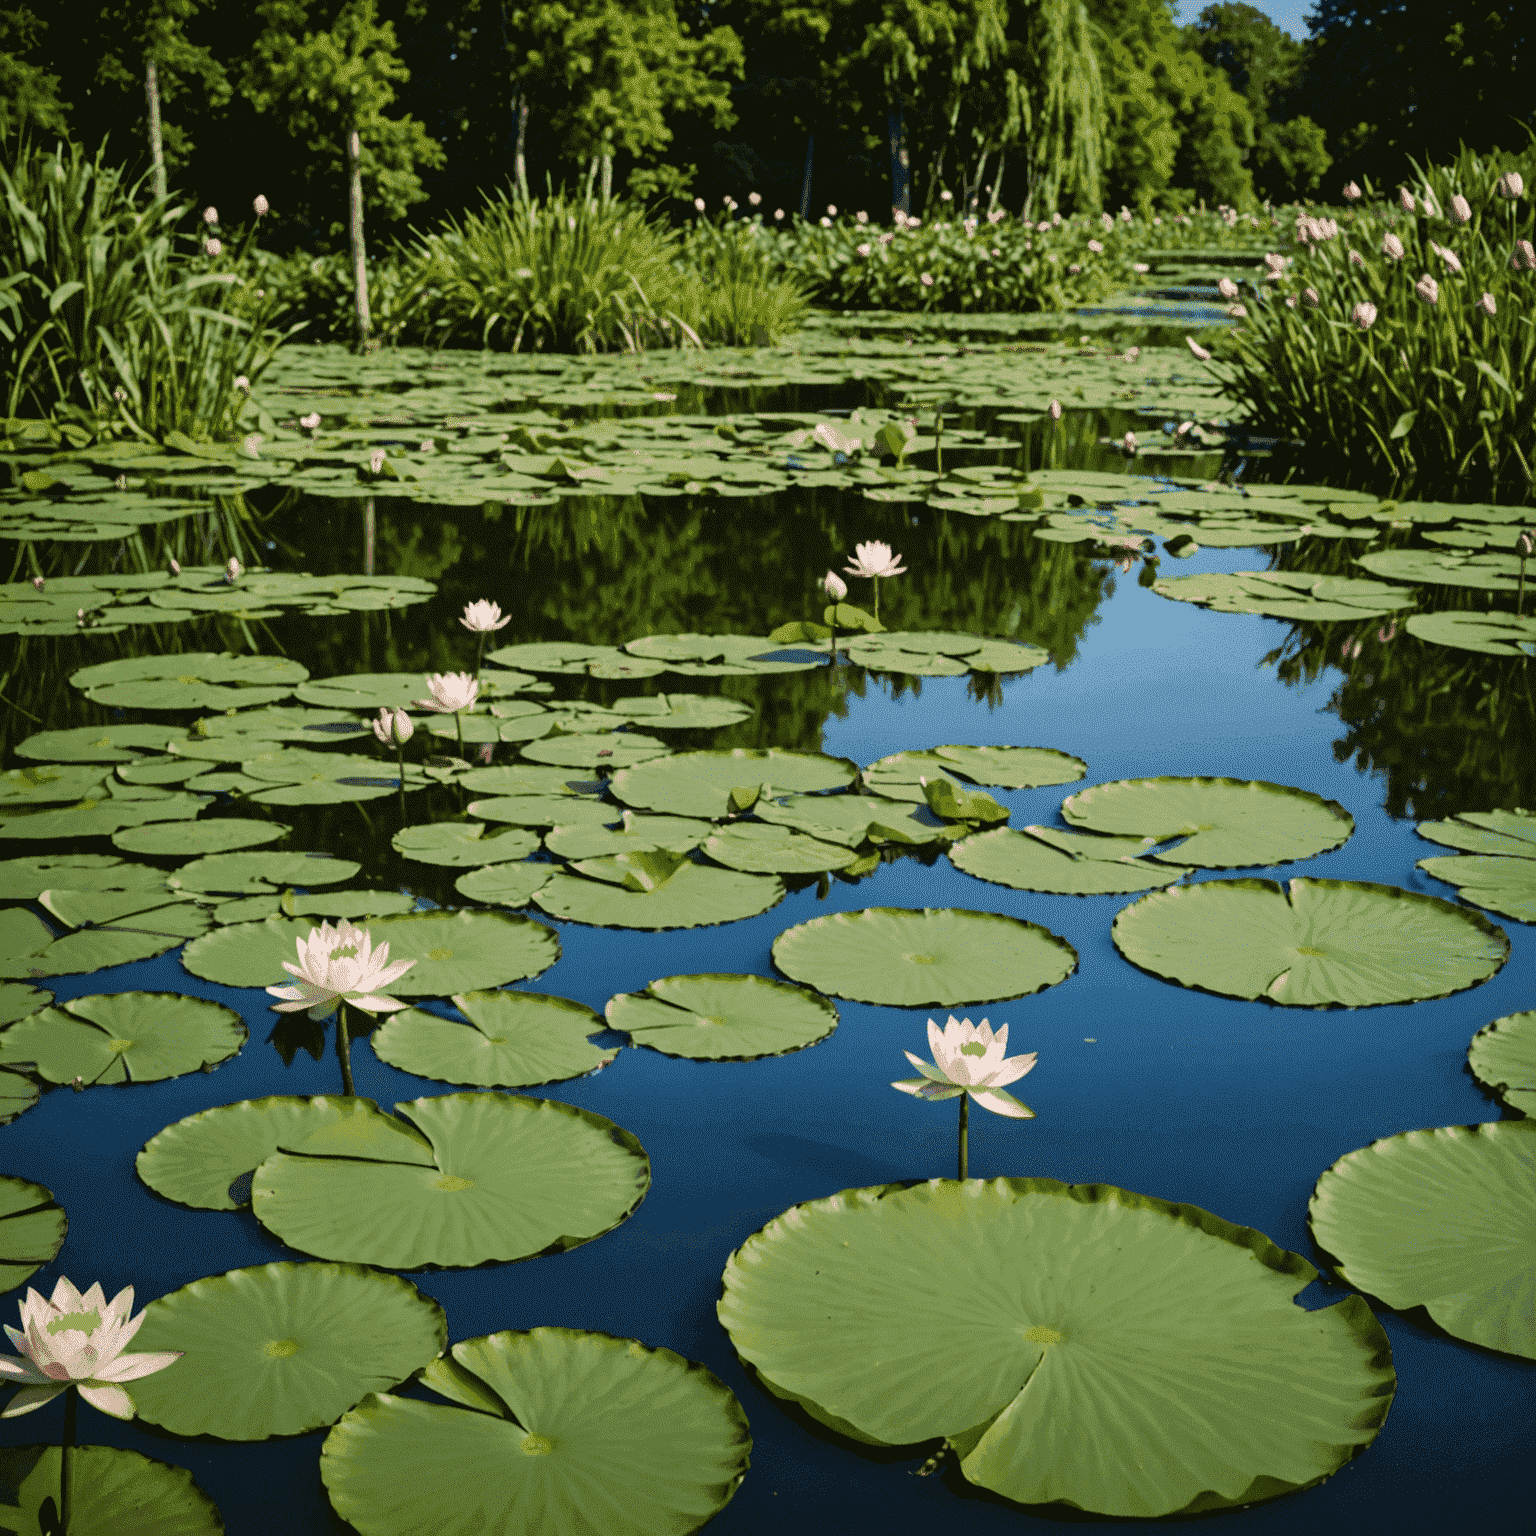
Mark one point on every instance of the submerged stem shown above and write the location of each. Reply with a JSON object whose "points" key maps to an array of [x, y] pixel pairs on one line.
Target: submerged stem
{"points": [[479, 657], [965, 1116], [66, 1461], [344, 1049]]}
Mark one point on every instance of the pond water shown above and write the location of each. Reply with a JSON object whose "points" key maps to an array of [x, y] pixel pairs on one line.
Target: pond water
{"points": [[1234, 1106]]}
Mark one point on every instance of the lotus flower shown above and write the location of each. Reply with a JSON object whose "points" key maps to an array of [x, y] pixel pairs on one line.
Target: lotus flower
{"points": [[1095, 246], [1525, 256], [1356, 259], [836, 588], [1352, 192], [754, 198], [970, 1059], [39, 582], [376, 458], [1448, 256], [393, 727], [74, 1340], [1487, 305], [175, 567], [311, 421], [451, 692], [875, 559], [1364, 314], [339, 965], [698, 204], [1227, 288], [261, 205], [1511, 184], [484, 617], [1461, 209], [1525, 543], [1427, 289], [1392, 248], [1129, 443]]}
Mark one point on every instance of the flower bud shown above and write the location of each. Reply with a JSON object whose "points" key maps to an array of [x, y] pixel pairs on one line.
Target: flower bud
{"points": [[393, 727], [1364, 315], [1448, 256], [834, 586], [1202, 355], [1487, 305], [1461, 209], [210, 215], [1095, 246], [261, 205], [1129, 441], [1227, 288], [175, 567], [1356, 259], [311, 421], [1525, 544], [233, 571], [1405, 197], [1055, 410], [1511, 184], [1352, 193], [1238, 311], [754, 198], [1392, 248], [1525, 256], [1427, 289], [376, 459], [832, 210], [243, 383], [213, 247], [698, 203], [1310, 297], [38, 582]]}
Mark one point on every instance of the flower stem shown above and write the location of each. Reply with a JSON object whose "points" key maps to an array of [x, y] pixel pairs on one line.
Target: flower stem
{"points": [[876, 581], [458, 720], [965, 1117], [400, 765], [344, 1049], [66, 1461], [479, 657], [1520, 597]]}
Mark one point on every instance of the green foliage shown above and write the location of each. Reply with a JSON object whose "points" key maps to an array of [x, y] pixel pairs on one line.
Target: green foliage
{"points": [[29, 94]]}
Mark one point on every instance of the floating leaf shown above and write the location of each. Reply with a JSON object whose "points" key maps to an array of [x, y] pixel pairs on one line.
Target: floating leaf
{"points": [[1301, 595], [948, 800], [1063, 863], [855, 819], [1497, 885], [700, 783], [300, 777], [235, 873], [1498, 832], [123, 1037], [190, 680], [280, 1349], [694, 896], [17, 1001], [899, 777], [940, 654], [511, 779], [679, 834], [1444, 567], [914, 959], [504, 885], [512, 1040], [760, 848], [722, 1018], [482, 1177], [21, 879], [50, 784], [115, 1493], [682, 711], [545, 810], [1440, 1219], [18, 1094], [230, 737], [614, 749], [1310, 943], [1502, 1057], [101, 818], [96, 743], [365, 691], [349, 904], [615, 1437], [1489, 634], [1155, 1348], [32, 1229], [1222, 823], [715, 655], [217, 835], [460, 844]]}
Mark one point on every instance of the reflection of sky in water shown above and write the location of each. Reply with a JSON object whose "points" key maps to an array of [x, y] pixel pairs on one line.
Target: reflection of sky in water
{"points": [[1236, 1107]]}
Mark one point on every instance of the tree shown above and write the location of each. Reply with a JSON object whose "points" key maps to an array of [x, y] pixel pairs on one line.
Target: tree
{"points": [[1064, 152], [333, 88], [29, 94]]}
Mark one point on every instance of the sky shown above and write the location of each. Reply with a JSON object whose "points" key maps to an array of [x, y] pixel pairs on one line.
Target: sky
{"points": [[1288, 14]]}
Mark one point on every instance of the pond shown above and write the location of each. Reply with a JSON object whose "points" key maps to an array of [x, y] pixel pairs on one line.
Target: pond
{"points": [[1234, 1104]]}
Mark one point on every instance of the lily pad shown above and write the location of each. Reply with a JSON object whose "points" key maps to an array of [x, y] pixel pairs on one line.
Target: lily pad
{"points": [[700, 783], [899, 777], [101, 818], [1502, 1057], [1497, 832], [1154, 1348], [722, 1018], [1221, 823], [18, 1000], [715, 655], [761, 848], [608, 894], [1301, 595], [50, 784], [22, 879], [32, 1229], [116, 1493], [29, 949], [504, 885], [940, 654], [300, 777], [615, 1437], [611, 749], [1489, 634], [219, 834], [246, 873], [545, 810], [682, 711], [1063, 863], [18, 1094], [511, 779], [365, 691], [96, 743], [1444, 567], [677, 834], [461, 844], [1440, 1219], [855, 819], [280, 1349], [1310, 943], [191, 680], [463, 1179], [1507, 886], [123, 1037], [915, 959], [511, 1040]]}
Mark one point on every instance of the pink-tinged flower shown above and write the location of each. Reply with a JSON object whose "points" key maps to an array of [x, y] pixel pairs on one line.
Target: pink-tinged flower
{"points": [[1132, 353], [252, 444], [376, 459], [1185, 428], [754, 198], [451, 692], [242, 383], [70, 1340], [874, 559], [339, 965], [698, 204], [1487, 305], [1055, 410], [969, 1058], [233, 571], [1125, 215], [1310, 296], [1043, 227], [861, 217], [1525, 544], [1405, 197], [311, 421], [1461, 209], [834, 586], [393, 727], [926, 280], [1227, 288], [1427, 289], [1448, 256], [778, 213], [1072, 267], [261, 205], [1238, 311], [864, 249], [832, 210], [1290, 301], [946, 196], [210, 215], [1095, 246], [213, 247], [1356, 259], [1352, 193], [1350, 648], [1140, 266], [1511, 184], [39, 583], [1364, 315], [175, 567], [1392, 248], [729, 202], [483, 617], [1525, 256], [1274, 261], [826, 223], [1202, 354], [1055, 221], [1106, 221], [1389, 634], [1128, 442]]}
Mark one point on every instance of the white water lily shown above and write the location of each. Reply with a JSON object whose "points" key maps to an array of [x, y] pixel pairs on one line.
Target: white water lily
{"points": [[340, 965], [874, 559], [393, 727], [1201, 354], [483, 617], [70, 1340], [451, 692], [834, 586], [970, 1059]]}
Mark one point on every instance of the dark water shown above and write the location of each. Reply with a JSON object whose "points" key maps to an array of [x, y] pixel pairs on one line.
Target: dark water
{"points": [[1235, 1107]]}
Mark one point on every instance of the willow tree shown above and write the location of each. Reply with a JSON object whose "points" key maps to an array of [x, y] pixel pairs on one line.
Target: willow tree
{"points": [[1063, 152]]}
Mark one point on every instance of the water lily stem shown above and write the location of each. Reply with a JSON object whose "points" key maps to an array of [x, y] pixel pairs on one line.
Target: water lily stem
{"points": [[66, 1461], [458, 720], [876, 581], [965, 1117], [400, 767], [344, 1049], [479, 657], [1520, 596]]}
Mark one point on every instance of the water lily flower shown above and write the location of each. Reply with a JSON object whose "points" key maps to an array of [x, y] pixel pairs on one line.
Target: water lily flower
{"points": [[698, 204], [213, 247], [1392, 248], [451, 692], [210, 215], [1238, 311], [253, 443], [393, 727], [1290, 301], [834, 586], [778, 213], [729, 202], [311, 421], [1131, 354], [926, 279], [340, 965], [376, 459], [1461, 209], [1129, 443], [1352, 193], [261, 205], [875, 559], [861, 217], [1511, 184], [233, 571], [175, 567], [1448, 256], [832, 209], [1487, 305], [1356, 259], [970, 1059], [826, 223], [863, 249], [1364, 315], [1427, 289], [1525, 544], [1140, 266], [70, 1340], [1227, 288], [1311, 297], [1405, 197], [1184, 429], [483, 617], [1055, 410]]}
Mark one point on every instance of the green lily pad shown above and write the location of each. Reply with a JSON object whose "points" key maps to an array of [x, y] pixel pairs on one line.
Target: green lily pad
{"points": [[545, 810], [460, 844], [22, 879], [854, 819], [511, 1040], [504, 885], [899, 777], [1444, 567], [18, 1094], [1440, 1219], [101, 818], [463, 1179], [613, 749], [1507, 886], [761, 848], [301, 777], [350, 904], [138, 909], [50, 784], [219, 834], [713, 656], [700, 783], [280, 1349], [615, 1437], [115, 1493], [18, 1000], [96, 743], [722, 1018], [29, 949], [192, 680], [940, 654], [1489, 634], [230, 737], [1300, 595], [1063, 863], [1222, 823], [366, 691], [608, 894], [123, 1037], [195, 1161], [636, 834], [32, 1229], [1310, 943], [247, 873], [1502, 1057], [1155, 1348], [512, 779], [565, 656], [682, 711], [1510, 833], [160, 771], [915, 959]]}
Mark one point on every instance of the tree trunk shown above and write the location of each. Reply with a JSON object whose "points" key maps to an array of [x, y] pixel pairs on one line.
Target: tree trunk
{"points": [[605, 177], [997, 181], [901, 187], [156, 146], [355, 233], [805, 179], [519, 165]]}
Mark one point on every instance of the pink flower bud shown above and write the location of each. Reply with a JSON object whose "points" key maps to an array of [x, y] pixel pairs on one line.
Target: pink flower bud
{"points": [[946, 196], [1202, 355], [698, 203], [376, 458], [175, 567], [834, 586], [754, 198], [832, 210], [1352, 192], [778, 213], [1525, 544], [1525, 256], [1095, 247], [1427, 289], [926, 280], [38, 582], [1449, 257], [1392, 248], [1364, 315], [1405, 197], [1356, 259], [311, 421], [1227, 288], [261, 205], [1511, 184], [1461, 209], [1055, 410], [861, 217], [863, 249], [1290, 301], [213, 247], [242, 383], [1238, 311], [1487, 305], [210, 215], [1129, 441], [233, 571], [1309, 296]]}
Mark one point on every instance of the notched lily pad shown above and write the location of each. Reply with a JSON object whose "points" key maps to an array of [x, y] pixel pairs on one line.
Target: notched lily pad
{"points": [[700, 783], [1062, 863], [32, 1230], [627, 892], [461, 844], [1502, 1057], [191, 680], [722, 1017]]}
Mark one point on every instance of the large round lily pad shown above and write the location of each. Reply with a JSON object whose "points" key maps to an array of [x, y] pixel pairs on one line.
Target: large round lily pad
{"points": [[700, 783], [545, 810], [243, 874], [1504, 885], [123, 1037], [1310, 943], [656, 890], [32, 1230], [1489, 634], [899, 776], [220, 834], [102, 817], [463, 1179], [570, 1433], [1441, 1219], [597, 749], [461, 844], [195, 1161], [96, 743], [1502, 1057], [1223, 823], [635, 834], [1064, 863], [192, 680], [365, 691], [1114, 1352], [722, 1018], [504, 885], [915, 959], [761, 848], [116, 1493], [279, 1349], [941, 654], [855, 819], [511, 1040], [50, 784]]}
